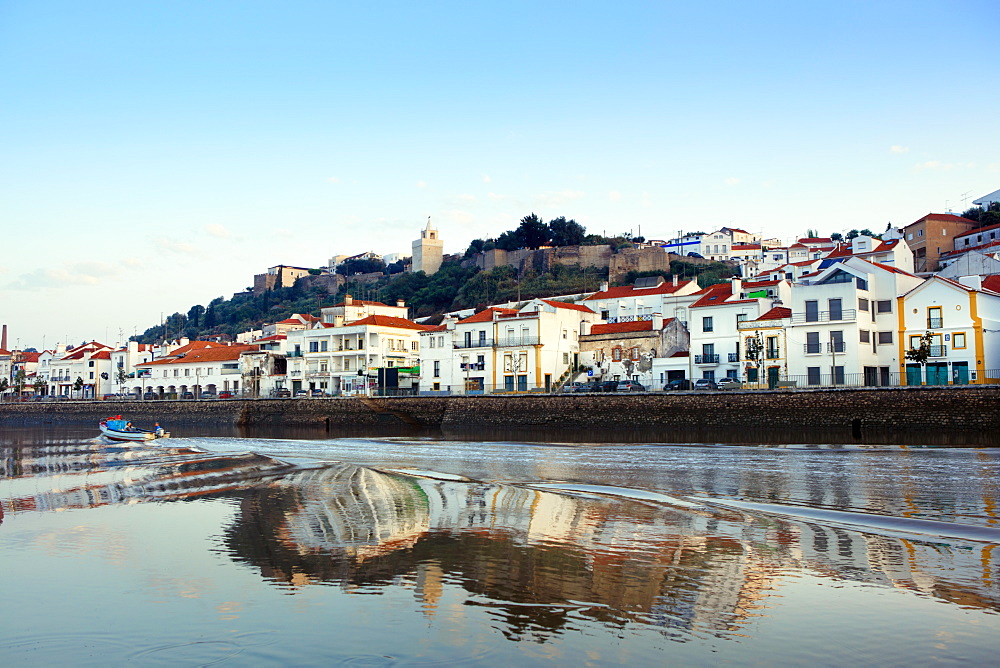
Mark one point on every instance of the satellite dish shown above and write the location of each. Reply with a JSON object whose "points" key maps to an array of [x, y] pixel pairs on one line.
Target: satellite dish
{"points": [[104, 375]]}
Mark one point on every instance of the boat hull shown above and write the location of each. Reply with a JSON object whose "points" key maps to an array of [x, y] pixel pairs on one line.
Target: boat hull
{"points": [[131, 436]]}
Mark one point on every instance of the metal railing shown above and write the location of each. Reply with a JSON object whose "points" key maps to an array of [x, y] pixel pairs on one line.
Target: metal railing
{"points": [[935, 323], [630, 318], [517, 341], [836, 347], [474, 343], [939, 351], [734, 357], [706, 359], [772, 353], [844, 315], [812, 348]]}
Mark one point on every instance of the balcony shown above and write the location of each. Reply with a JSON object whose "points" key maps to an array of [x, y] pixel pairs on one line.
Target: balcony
{"points": [[706, 359], [939, 351], [734, 357], [294, 353], [772, 354], [474, 343], [630, 318], [844, 315], [935, 323], [836, 347], [517, 341], [812, 348]]}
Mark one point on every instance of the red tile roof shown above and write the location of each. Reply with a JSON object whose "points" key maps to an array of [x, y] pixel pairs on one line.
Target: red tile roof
{"points": [[992, 282], [218, 354], [273, 337], [777, 313], [573, 307], [101, 355], [667, 288], [889, 267], [436, 328], [948, 217], [388, 321], [359, 302], [714, 294], [815, 240], [486, 315], [620, 327], [746, 247]]}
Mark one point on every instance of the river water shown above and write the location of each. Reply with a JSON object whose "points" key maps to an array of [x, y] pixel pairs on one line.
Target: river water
{"points": [[228, 550]]}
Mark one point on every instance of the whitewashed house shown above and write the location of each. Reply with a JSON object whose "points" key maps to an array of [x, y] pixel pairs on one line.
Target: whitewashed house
{"points": [[192, 370], [91, 363], [714, 322], [963, 319], [843, 329]]}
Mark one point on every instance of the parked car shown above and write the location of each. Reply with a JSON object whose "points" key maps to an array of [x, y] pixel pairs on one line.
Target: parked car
{"points": [[317, 393], [678, 384], [282, 392], [705, 384], [729, 384], [209, 395], [149, 396], [579, 387], [607, 386], [187, 395], [301, 393], [629, 386], [225, 394]]}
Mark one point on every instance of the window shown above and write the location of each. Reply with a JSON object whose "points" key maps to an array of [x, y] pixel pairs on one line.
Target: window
{"points": [[90, 363], [634, 354], [885, 337], [914, 341], [314, 346], [837, 342], [414, 345], [564, 334], [865, 336], [920, 233], [482, 337], [934, 317], [565, 358], [432, 341], [177, 372], [812, 311], [836, 311], [740, 317], [812, 343], [468, 339], [92, 375], [883, 306], [909, 236], [862, 304], [812, 374], [958, 340], [323, 346], [861, 283], [706, 325], [437, 369], [838, 374]]}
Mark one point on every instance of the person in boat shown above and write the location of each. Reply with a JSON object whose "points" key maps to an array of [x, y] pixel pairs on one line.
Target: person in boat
{"points": [[157, 429], [129, 427]]}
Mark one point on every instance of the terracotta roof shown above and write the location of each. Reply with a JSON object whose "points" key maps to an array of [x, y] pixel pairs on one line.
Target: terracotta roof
{"points": [[714, 294], [30, 357], [101, 355], [746, 247], [761, 284], [572, 307], [218, 354], [195, 345], [950, 217], [619, 327], [992, 282], [666, 288], [777, 313], [273, 337], [486, 315], [815, 240], [436, 328], [388, 321], [889, 267]]}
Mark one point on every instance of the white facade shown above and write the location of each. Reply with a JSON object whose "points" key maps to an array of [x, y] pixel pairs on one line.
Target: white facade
{"points": [[621, 304], [201, 367], [963, 320], [505, 350], [844, 324], [714, 329]]}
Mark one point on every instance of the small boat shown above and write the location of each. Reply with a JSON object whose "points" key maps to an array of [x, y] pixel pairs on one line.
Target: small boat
{"points": [[117, 429]]}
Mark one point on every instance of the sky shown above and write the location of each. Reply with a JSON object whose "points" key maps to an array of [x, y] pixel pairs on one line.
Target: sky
{"points": [[156, 155]]}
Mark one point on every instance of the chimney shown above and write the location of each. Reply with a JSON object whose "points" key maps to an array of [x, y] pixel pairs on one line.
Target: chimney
{"points": [[675, 281], [604, 286], [449, 322], [584, 327], [975, 282], [657, 322], [3, 339], [400, 303], [737, 286], [348, 300]]}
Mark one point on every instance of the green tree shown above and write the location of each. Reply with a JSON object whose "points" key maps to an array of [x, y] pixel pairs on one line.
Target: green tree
{"points": [[20, 380], [852, 234], [78, 385], [564, 232], [39, 385], [509, 241], [922, 352], [532, 232], [4, 386], [836, 236], [194, 315]]}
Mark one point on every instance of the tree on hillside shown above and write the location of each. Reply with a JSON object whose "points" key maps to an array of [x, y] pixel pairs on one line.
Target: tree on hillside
{"points": [[360, 266], [836, 236], [194, 315], [532, 232], [985, 217], [564, 232], [509, 241]]}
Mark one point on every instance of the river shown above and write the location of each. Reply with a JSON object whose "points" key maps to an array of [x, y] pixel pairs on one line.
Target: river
{"points": [[224, 549]]}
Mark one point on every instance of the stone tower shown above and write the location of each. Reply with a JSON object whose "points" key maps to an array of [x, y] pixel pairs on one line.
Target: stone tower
{"points": [[427, 250]]}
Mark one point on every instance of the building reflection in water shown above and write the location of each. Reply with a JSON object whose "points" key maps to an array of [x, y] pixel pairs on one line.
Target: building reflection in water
{"points": [[541, 559]]}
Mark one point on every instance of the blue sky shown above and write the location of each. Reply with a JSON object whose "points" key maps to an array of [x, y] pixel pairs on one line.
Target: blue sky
{"points": [[156, 155]]}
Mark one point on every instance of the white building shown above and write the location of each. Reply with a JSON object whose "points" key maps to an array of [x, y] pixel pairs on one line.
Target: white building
{"points": [[90, 363], [715, 317], [844, 324], [641, 300], [963, 319], [195, 369], [507, 350]]}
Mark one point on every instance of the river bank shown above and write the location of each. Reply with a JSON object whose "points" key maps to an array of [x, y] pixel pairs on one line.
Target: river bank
{"points": [[953, 415]]}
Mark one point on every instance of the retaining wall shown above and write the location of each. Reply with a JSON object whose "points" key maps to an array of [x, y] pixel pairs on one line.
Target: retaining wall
{"points": [[965, 415]]}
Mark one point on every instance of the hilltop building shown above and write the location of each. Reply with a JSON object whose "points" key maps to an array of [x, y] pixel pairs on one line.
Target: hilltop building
{"points": [[428, 250]]}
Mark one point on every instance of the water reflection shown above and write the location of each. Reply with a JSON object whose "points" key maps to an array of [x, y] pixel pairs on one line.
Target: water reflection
{"points": [[543, 562], [546, 561]]}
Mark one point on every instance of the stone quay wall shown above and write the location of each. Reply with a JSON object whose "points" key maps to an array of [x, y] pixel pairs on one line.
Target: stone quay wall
{"points": [[956, 415]]}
